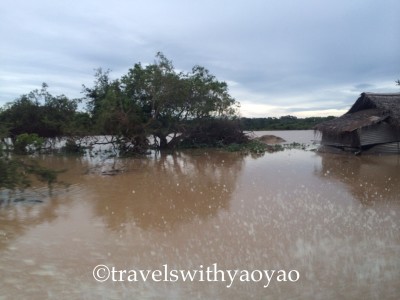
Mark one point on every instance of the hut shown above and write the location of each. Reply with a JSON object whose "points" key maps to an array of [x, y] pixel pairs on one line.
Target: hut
{"points": [[371, 125]]}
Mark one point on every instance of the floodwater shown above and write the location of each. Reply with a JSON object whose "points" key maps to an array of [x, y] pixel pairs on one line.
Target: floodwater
{"points": [[334, 219]]}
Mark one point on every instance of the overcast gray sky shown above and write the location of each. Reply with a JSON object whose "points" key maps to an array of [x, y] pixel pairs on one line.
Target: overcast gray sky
{"points": [[279, 57]]}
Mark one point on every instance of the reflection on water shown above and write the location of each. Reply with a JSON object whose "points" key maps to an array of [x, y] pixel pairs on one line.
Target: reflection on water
{"points": [[164, 192], [333, 218], [369, 178]]}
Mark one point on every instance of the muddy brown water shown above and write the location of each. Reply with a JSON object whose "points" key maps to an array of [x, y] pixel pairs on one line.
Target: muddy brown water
{"points": [[334, 219]]}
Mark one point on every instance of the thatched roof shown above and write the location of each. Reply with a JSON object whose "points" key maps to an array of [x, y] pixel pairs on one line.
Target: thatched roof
{"points": [[368, 110]]}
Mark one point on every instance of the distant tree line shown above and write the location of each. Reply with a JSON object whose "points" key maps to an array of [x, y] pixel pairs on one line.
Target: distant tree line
{"points": [[282, 123]]}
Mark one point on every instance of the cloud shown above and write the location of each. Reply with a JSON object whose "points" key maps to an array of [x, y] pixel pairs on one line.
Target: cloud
{"points": [[285, 57]]}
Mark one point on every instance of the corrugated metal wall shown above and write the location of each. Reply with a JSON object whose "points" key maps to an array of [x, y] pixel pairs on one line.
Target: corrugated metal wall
{"points": [[391, 148], [378, 134]]}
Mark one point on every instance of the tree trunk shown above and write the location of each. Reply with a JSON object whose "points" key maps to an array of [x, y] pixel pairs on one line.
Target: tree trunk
{"points": [[163, 142]]}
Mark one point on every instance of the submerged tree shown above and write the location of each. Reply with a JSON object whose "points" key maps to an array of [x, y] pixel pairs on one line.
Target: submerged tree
{"points": [[158, 101], [152, 105], [18, 172]]}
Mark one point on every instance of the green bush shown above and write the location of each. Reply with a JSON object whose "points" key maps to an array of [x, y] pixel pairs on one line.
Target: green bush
{"points": [[27, 143]]}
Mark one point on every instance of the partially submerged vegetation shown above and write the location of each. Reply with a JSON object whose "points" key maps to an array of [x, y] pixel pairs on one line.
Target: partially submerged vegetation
{"points": [[152, 107], [254, 147], [18, 172]]}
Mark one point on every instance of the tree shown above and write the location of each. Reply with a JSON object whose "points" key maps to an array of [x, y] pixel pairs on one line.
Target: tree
{"points": [[39, 113], [21, 116], [157, 101], [96, 94], [17, 172]]}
